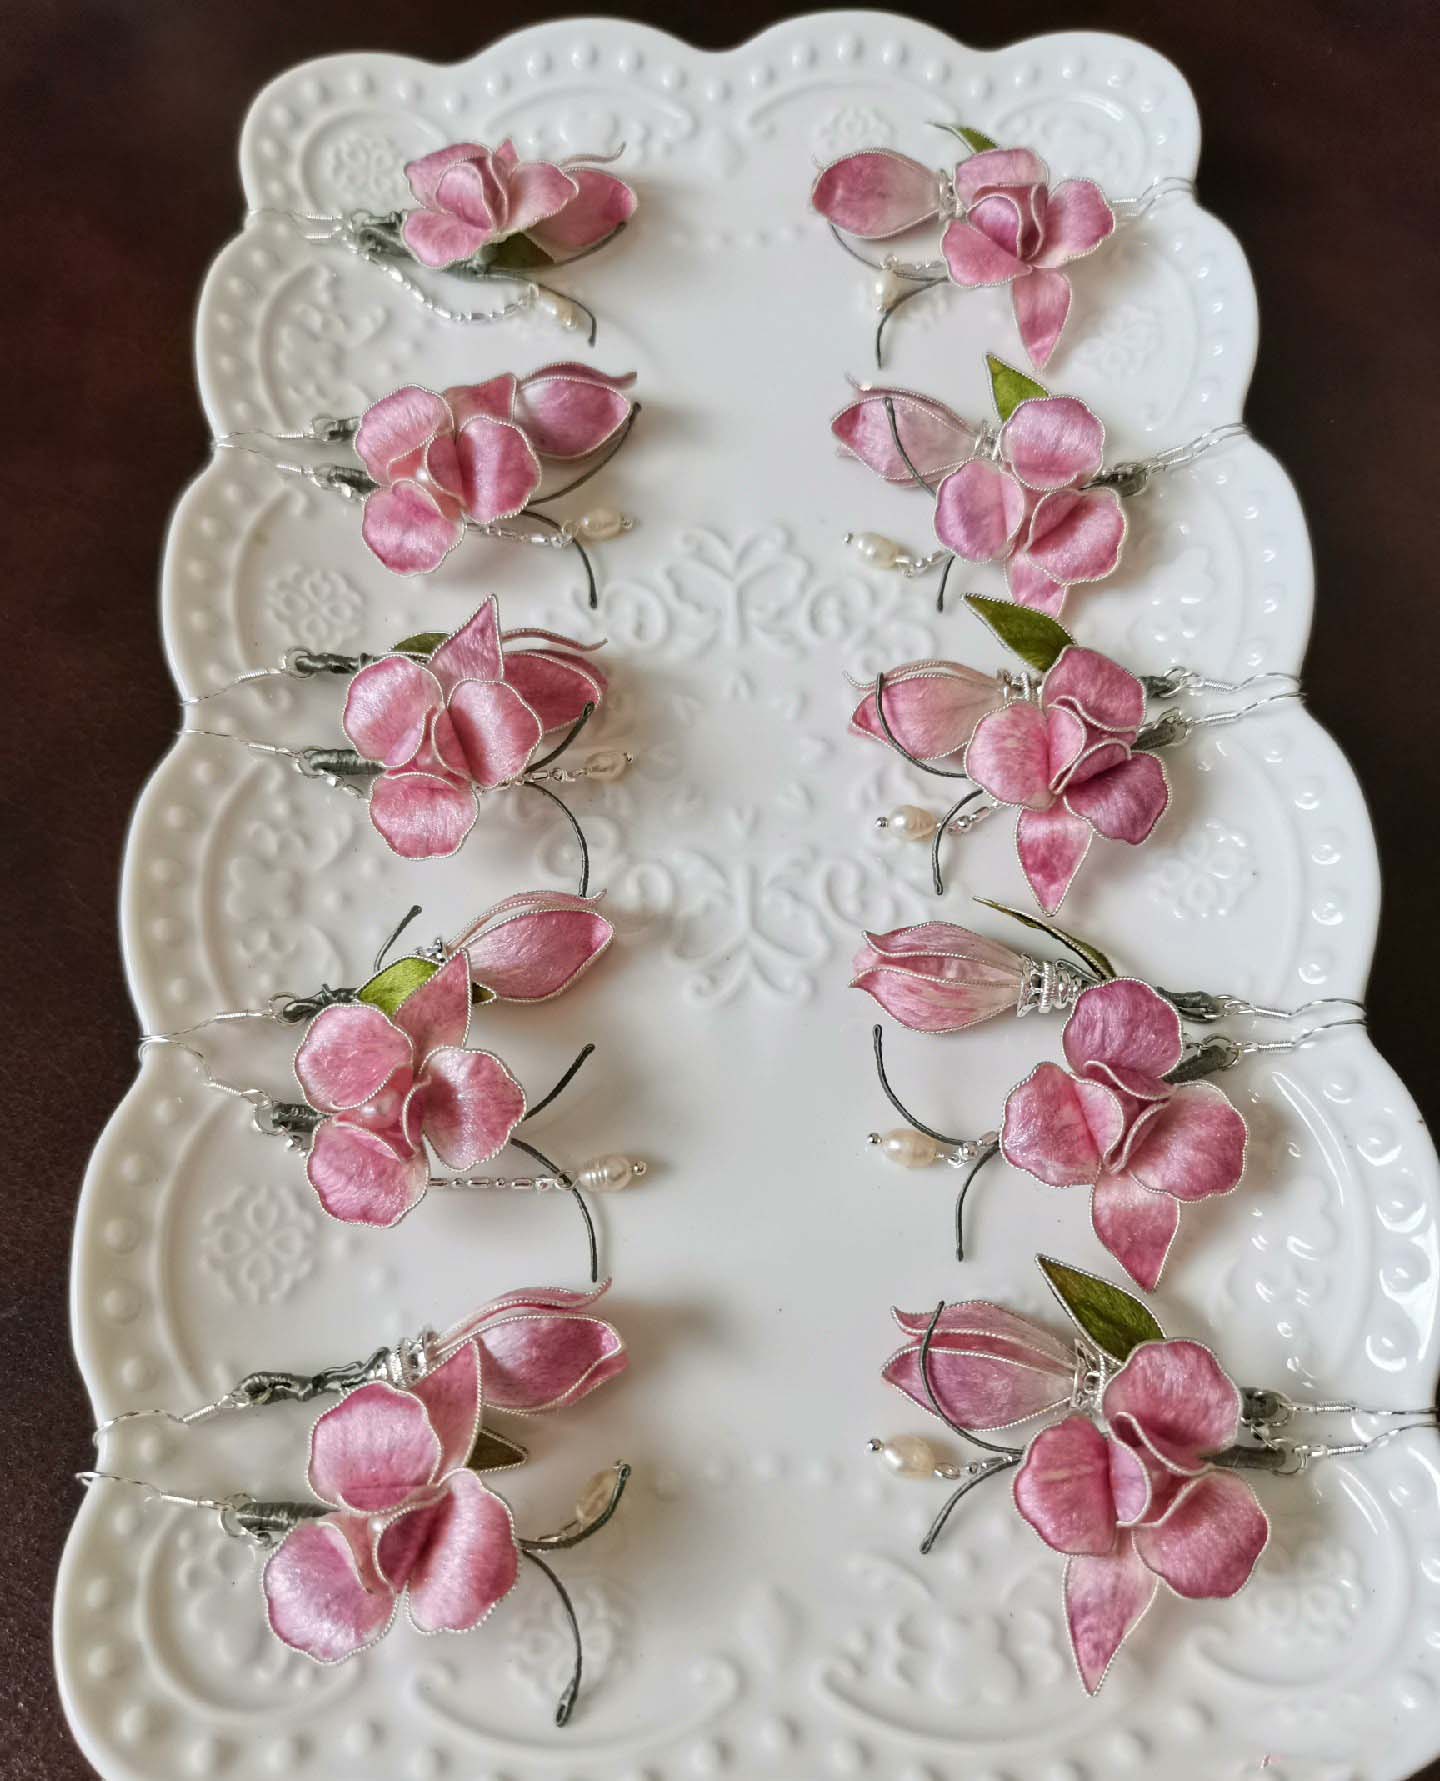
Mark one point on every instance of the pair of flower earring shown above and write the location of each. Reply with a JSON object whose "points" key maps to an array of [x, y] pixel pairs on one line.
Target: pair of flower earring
{"points": [[1138, 1479], [397, 1468], [486, 216], [390, 1086], [1134, 1118]]}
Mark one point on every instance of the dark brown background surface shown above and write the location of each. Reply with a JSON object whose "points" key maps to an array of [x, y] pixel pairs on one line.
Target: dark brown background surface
{"points": [[1320, 138]]}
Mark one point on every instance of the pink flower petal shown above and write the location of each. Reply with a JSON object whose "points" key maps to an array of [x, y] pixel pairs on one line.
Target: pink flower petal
{"points": [[1125, 802], [348, 1054], [494, 399], [1077, 537], [1135, 1225], [438, 1013], [537, 190], [557, 687], [373, 1449], [876, 194], [426, 173], [1063, 1488], [499, 470], [387, 708], [1209, 1540], [397, 427], [438, 240], [1106, 695], [601, 206], [317, 1598], [976, 1326], [475, 192], [1193, 1147], [1042, 306], [1052, 441], [999, 218], [469, 1562], [979, 1390], [998, 167], [468, 1105], [935, 438], [537, 952], [1183, 1402], [568, 415], [1077, 220], [361, 1177], [1009, 756], [1125, 1023], [1047, 1129], [975, 260], [541, 1360], [472, 653], [406, 529], [496, 730], [1031, 586], [1052, 845], [451, 1396], [1105, 1599], [978, 511], [938, 978], [1065, 742], [1130, 1483], [420, 815], [932, 708]]}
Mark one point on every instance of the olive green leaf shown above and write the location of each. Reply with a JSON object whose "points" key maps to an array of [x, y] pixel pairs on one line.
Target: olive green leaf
{"points": [[975, 140], [1010, 387], [1034, 636], [518, 253], [1082, 949], [1104, 1314], [390, 987], [494, 1453], [423, 643]]}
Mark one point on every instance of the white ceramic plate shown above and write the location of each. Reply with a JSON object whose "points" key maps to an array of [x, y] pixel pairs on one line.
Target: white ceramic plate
{"points": [[760, 1609]]}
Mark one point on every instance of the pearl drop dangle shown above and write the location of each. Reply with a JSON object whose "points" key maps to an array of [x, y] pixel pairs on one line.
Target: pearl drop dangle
{"points": [[560, 310], [609, 1174], [910, 822], [601, 524], [907, 1147], [912, 1456]]}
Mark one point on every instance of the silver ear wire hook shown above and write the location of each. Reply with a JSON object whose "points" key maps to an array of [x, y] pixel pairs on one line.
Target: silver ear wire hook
{"points": [[253, 1097], [1298, 1041]]}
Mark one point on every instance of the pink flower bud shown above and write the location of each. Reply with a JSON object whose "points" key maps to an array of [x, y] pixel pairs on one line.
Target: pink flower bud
{"points": [[534, 945], [932, 708], [939, 978]]}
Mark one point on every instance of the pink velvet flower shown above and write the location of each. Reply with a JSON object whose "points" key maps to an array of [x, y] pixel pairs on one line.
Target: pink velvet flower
{"points": [[1142, 1145], [472, 197], [466, 722], [933, 437], [1010, 227], [1141, 1503], [932, 707], [988, 1368], [540, 1349], [472, 455], [1070, 766], [407, 1521], [1031, 510], [1015, 228], [938, 977], [390, 1088], [535, 945]]}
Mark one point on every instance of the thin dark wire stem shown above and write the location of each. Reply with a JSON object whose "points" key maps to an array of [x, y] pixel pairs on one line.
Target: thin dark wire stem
{"points": [[940, 828], [905, 457], [570, 735], [894, 1099], [854, 252], [596, 468], [997, 1447], [565, 1706], [592, 590], [899, 746], [535, 786], [937, 1526], [975, 1168], [944, 579], [575, 1194], [899, 303], [562, 1084], [398, 930]]}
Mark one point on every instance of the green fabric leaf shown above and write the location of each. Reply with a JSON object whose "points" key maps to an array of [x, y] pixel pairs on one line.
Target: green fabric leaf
{"points": [[1034, 636], [1010, 387], [493, 1453], [518, 253], [1082, 949], [975, 140], [390, 987], [1104, 1314], [423, 643]]}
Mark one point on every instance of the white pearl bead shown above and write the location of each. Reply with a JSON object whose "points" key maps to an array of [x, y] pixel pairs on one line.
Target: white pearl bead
{"points": [[600, 525], [909, 1148], [909, 1456], [560, 309], [884, 553], [606, 765], [911, 823], [886, 288], [608, 1174], [594, 1500]]}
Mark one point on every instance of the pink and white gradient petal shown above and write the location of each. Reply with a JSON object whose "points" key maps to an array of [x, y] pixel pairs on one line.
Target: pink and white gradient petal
{"points": [[438, 1013], [876, 194], [1052, 845], [602, 204], [1194, 1145], [422, 816], [975, 260], [451, 1396], [499, 470], [497, 731], [979, 510], [1077, 220], [374, 1449], [1041, 302], [1123, 802], [469, 1562], [347, 1056], [1048, 1128], [1125, 1023], [472, 653], [1135, 1225], [1051, 442], [1063, 1488], [1209, 1540], [466, 1103], [1009, 756], [363, 1177], [1183, 1402], [407, 530], [537, 1360], [318, 1600], [1105, 1600], [387, 709]]}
